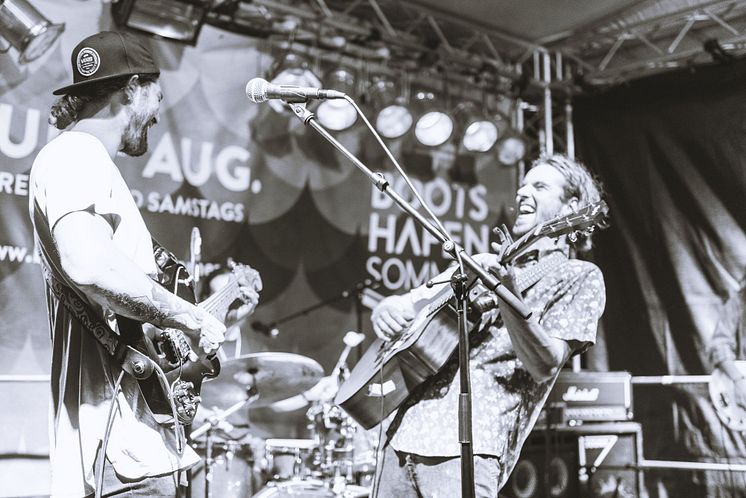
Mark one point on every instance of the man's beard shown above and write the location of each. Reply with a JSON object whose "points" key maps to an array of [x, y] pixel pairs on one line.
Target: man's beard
{"points": [[135, 141]]}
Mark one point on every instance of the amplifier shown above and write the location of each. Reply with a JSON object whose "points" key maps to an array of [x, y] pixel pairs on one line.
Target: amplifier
{"points": [[579, 397], [589, 461]]}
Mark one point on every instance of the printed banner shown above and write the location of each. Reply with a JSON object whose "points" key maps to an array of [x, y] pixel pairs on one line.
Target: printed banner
{"points": [[262, 188]]}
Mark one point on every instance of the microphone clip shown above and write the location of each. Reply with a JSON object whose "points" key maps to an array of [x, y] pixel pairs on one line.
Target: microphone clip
{"points": [[299, 109]]}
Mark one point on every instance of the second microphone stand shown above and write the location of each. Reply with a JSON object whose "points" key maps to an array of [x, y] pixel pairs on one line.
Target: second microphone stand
{"points": [[465, 260], [355, 291]]}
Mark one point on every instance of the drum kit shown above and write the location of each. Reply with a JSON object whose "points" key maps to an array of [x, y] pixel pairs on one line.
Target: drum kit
{"points": [[336, 460]]}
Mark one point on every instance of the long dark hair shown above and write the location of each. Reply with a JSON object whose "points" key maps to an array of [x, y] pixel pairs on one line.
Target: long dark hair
{"points": [[66, 109]]}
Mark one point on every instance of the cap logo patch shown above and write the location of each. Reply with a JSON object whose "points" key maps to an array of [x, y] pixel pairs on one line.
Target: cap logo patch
{"points": [[88, 61]]}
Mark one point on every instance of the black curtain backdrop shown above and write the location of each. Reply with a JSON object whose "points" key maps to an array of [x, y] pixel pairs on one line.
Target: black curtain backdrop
{"points": [[671, 151]]}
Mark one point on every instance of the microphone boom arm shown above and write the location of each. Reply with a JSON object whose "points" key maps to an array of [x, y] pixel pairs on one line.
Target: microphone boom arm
{"points": [[489, 280]]}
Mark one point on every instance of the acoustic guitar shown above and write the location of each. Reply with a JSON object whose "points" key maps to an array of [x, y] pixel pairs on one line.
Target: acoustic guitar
{"points": [[389, 371]]}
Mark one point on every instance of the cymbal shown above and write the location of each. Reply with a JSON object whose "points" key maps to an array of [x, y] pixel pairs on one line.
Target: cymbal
{"points": [[273, 376]]}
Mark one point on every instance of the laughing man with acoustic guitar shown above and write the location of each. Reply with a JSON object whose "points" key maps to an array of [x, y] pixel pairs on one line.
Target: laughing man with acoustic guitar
{"points": [[514, 362], [98, 262]]}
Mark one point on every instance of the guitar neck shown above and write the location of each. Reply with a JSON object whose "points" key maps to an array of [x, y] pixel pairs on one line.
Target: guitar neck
{"points": [[219, 303], [583, 220]]}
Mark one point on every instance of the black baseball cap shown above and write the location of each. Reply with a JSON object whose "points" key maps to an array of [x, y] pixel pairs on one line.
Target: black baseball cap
{"points": [[107, 55]]}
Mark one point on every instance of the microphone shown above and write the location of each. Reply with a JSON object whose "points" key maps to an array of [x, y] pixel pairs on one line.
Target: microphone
{"points": [[269, 330], [195, 253], [484, 302], [259, 90]]}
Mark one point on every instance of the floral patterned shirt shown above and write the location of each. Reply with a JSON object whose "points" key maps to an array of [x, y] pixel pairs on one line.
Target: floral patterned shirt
{"points": [[506, 401]]}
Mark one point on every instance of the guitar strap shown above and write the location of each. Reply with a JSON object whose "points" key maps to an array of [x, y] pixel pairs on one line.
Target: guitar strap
{"points": [[527, 276], [131, 361]]}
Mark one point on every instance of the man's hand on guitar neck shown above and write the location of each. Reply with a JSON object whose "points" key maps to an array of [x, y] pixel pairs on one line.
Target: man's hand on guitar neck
{"points": [[504, 272], [249, 285]]}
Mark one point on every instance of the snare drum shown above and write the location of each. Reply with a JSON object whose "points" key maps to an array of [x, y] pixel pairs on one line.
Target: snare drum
{"points": [[288, 458]]}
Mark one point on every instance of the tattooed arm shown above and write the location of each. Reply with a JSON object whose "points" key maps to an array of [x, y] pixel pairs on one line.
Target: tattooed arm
{"points": [[100, 270]]}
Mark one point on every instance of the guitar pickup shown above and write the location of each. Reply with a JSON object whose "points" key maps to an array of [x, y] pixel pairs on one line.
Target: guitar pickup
{"points": [[175, 347]]}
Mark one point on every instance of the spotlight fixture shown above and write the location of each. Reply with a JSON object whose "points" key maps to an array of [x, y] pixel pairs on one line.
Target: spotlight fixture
{"points": [[511, 149], [394, 118], [338, 114], [292, 69], [26, 29], [434, 126], [177, 20], [480, 130]]}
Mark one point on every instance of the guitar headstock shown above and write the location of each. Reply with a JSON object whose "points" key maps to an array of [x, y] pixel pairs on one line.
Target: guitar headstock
{"points": [[245, 275], [584, 220]]}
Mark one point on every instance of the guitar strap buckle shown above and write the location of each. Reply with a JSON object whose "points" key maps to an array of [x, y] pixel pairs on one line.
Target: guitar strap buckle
{"points": [[137, 364]]}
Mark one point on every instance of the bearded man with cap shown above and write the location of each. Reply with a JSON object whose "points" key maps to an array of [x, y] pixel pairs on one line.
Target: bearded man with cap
{"points": [[94, 243]]}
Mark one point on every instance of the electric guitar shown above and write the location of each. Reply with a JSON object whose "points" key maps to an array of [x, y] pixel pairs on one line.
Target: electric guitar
{"points": [[171, 349], [389, 371], [722, 394]]}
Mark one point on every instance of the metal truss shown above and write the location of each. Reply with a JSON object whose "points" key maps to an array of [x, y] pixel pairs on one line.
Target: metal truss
{"points": [[663, 36], [402, 35], [393, 36]]}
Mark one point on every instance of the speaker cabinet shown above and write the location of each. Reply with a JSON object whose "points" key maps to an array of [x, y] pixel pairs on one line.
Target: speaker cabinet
{"points": [[595, 460]]}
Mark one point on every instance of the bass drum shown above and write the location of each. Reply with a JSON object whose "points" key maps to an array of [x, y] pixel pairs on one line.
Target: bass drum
{"points": [[309, 488]]}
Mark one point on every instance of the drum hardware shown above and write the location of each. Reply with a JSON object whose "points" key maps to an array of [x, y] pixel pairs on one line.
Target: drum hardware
{"points": [[328, 464], [209, 429], [252, 380]]}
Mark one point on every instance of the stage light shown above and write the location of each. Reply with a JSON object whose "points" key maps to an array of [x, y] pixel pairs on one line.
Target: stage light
{"points": [[26, 29], [480, 130], [434, 126], [338, 114], [511, 149], [394, 119], [292, 69], [177, 20]]}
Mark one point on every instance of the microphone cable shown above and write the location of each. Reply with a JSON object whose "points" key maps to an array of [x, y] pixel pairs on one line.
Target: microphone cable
{"points": [[398, 167], [379, 448], [99, 470]]}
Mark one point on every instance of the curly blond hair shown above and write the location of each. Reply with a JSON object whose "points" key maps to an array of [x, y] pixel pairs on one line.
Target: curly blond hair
{"points": [[580, 184]]}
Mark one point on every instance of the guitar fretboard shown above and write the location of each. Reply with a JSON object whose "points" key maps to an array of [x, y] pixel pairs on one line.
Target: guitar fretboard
{"points": [[217, 304]]}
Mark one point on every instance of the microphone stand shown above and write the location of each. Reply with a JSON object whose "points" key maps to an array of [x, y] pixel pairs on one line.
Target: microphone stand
{"points": [[355, 291], [458, 281]]}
